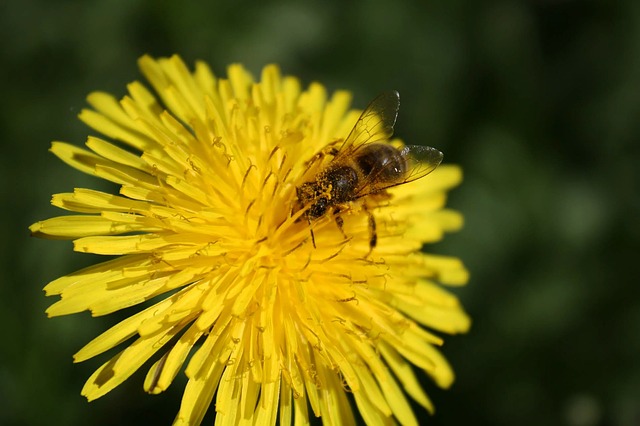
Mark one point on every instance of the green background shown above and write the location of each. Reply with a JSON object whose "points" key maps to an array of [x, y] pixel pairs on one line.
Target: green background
{"points": [[539, 101]]}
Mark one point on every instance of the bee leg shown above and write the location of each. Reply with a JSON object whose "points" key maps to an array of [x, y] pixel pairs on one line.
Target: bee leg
{"points": [[339, 221], [328, 150], [313, 237], [373, 232]]}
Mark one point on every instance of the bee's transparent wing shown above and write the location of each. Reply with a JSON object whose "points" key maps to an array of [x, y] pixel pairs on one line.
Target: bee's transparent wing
{"points": [[421, 160], [375, 123]]}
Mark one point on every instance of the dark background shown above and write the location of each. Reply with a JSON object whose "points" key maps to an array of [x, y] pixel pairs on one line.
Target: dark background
{"points": [[539, 101]]}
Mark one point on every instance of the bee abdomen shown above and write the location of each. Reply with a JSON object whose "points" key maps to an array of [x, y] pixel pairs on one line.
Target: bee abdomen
{"points": [[382, 161]]}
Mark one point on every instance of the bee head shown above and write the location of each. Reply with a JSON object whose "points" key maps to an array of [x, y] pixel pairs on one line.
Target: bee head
{"points": [[318, 208], [309, 194]]}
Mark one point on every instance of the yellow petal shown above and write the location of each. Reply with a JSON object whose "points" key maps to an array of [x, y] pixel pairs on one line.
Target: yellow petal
{"points": [[123, 365], [165, 370], [117, 334], [69, 227]]}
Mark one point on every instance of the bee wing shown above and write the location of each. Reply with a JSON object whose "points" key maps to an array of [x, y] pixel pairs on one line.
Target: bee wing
{"points": [[420, 161], [375, 123]]}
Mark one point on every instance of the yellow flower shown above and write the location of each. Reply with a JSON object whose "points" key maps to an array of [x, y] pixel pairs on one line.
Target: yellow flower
{"points": [[209, 240]]}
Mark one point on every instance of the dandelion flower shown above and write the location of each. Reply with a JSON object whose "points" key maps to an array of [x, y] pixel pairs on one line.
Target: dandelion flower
{"points": [[205, 236]]}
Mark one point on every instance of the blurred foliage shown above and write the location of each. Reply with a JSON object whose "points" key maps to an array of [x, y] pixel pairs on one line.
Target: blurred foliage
{"points": [[538, 101]]}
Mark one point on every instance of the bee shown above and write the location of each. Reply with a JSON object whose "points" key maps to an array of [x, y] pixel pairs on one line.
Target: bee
{"points": [[364, 167]]}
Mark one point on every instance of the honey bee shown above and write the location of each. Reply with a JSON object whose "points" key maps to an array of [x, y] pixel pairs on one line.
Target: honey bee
{"points": [[364, 167]]}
